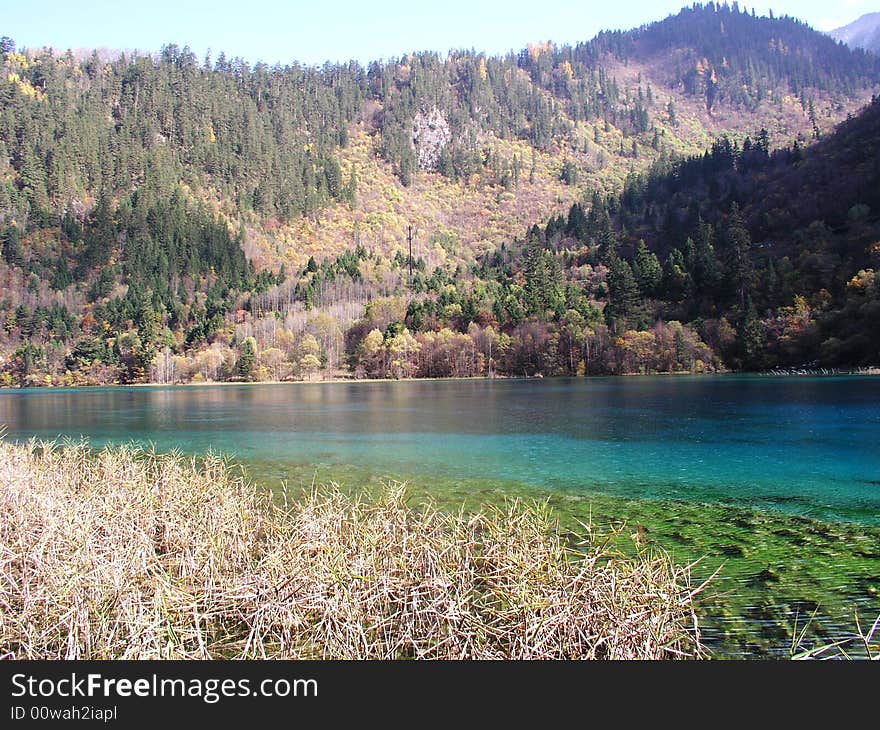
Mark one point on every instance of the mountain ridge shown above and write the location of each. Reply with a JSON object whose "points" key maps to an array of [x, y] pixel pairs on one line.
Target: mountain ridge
{"points": [[863, 32]]}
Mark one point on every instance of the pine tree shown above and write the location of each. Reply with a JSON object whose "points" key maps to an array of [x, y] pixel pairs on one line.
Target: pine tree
{"points": [[647, 270], [671, 115], [245, 364], [738, 244], [623, 295], [34, 179], [544, 291], [752, 339], [12, 251], [704, 268]]}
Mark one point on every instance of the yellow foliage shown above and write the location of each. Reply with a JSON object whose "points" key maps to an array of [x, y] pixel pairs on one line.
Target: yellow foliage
{"points": [[19, 60], [25, 86], [863, 280], [373, 342], [536, 49]]}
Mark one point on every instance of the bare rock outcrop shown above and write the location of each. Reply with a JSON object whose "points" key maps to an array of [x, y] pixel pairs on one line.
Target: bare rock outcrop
{"points": [[430, 134]]}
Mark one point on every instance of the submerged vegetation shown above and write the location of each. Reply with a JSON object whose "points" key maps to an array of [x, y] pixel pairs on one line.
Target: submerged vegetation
{"points": [[782, 579], [125, 554]]}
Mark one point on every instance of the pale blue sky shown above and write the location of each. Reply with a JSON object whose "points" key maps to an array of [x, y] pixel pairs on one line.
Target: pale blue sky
{"points": [[336, 30]]}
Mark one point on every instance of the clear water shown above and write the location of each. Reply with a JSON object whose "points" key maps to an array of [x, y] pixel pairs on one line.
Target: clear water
{"points": [[809, 446], [760, 472]]}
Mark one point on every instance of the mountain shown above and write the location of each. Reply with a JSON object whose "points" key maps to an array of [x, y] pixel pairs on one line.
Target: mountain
{"points": [[723, 55], [166, 218], [862, 33]]}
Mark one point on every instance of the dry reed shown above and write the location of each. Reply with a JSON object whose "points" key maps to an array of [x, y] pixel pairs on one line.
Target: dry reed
{"points": [[124, 554]]}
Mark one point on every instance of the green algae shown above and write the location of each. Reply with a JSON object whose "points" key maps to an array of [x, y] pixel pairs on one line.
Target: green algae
{"points": [[774, 573]]}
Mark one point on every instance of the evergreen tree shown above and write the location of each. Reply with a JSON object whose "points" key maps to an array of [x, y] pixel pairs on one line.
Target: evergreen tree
{"points": [[706, 270], [544, 293], [647, 270], [752, 339], [738, 244], [623, 296], [245, 364]]}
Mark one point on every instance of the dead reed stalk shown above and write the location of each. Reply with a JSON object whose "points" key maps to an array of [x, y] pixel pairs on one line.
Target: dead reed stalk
{"points": [[125, 553]]}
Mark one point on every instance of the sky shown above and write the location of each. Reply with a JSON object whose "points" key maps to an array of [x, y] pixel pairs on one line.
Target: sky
{"points": [[313, 32]]}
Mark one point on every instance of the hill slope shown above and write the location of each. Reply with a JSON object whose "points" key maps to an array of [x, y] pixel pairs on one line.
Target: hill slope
{"points": [[772, 256]]}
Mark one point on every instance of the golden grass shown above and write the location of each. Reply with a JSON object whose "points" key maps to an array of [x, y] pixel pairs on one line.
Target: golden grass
{"points": [[128, 554]]}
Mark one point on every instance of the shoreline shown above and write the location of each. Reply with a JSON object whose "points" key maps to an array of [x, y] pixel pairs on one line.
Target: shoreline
{"points": [[867, 372]]}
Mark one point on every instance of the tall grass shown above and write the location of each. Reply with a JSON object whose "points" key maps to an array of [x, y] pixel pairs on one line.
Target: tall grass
{"points": [[125, 554]]}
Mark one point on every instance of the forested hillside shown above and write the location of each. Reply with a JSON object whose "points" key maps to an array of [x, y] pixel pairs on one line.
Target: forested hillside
{"points": [[170, 218], [769, 256], [732, 56]]}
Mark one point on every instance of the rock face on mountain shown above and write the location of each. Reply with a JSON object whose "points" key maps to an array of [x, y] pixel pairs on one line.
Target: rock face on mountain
{"points": [[430, 136], [862, 33]]}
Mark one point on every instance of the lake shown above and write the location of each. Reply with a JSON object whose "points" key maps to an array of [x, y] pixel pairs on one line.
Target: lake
{"points": [[775, 480]]}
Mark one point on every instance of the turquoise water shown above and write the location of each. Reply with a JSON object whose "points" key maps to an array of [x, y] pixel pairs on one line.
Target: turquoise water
{"points": [[773, 481], [805, 446]]}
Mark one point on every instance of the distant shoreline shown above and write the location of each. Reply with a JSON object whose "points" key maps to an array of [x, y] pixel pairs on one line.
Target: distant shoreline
{"points": [[793, 373]]}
